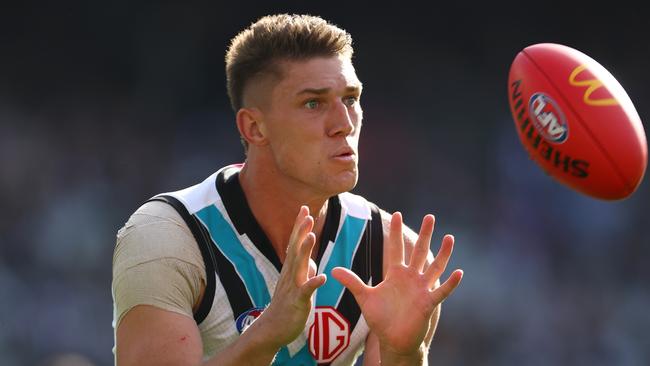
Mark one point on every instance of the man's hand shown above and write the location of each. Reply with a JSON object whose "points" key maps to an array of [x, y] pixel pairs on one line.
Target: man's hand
{"points": [[399, 309], [287, 314]]}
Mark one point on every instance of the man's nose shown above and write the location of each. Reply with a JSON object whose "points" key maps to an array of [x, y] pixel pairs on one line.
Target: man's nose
{"points": [[342, 119]]}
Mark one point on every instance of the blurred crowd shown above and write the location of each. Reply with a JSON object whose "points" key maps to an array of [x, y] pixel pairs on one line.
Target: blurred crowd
{"points": [[552, 277]]}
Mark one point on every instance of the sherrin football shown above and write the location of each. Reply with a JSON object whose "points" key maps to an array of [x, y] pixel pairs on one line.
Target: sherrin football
{"points": [[576, 121]]}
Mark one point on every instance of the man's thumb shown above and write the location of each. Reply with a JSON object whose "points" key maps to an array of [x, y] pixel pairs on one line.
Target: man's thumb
{"points": [[350, 280]]}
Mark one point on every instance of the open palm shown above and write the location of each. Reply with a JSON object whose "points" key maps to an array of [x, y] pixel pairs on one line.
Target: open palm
{"points": [[398, 310]]}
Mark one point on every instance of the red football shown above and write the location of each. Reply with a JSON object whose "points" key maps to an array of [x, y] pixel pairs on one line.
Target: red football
{"points": [[576, 121]]}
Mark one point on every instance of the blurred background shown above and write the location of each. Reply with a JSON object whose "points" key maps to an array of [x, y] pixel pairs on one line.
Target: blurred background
{"points": [[104, 104]]}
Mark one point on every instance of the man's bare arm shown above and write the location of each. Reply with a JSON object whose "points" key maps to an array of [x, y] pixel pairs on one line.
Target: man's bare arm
{"points": [[147, 335], [151, 336]]}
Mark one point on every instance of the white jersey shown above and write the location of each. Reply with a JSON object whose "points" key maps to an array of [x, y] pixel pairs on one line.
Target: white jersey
{"points": [[243, 269]]}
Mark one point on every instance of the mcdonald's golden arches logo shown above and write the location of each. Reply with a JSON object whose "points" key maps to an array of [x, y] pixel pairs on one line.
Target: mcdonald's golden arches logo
{"points": [[592, 85]]}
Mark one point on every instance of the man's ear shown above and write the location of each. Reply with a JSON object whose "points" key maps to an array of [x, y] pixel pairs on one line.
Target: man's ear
{"points": [[251, 126]]}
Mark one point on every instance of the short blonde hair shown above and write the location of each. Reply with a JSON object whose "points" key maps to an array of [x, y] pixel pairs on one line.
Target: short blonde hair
{"points": [[258, 49]]}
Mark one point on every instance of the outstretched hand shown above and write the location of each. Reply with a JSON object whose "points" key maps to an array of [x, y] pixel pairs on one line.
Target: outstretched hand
{"points": [[399, 309], [292, 300]]}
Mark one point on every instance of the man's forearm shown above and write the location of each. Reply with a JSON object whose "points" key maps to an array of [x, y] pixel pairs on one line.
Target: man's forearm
{"points": [[254, 347]]}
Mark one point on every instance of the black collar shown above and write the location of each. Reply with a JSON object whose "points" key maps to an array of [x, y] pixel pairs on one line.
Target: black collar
{"points": [[242, 217]]}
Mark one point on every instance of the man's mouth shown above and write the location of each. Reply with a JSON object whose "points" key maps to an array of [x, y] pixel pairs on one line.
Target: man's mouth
{"points": [[344, 152]]}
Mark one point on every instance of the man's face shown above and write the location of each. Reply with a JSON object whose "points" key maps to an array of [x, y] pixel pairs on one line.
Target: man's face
{"points": [[312, 123]]}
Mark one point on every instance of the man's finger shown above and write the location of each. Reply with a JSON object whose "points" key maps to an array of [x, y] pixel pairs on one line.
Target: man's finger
{"points": [[302, 259], [435, 270], [297, 224], [351, 281], [303, 224], [421, 248], [441, 293], [396, 240], [312, 268], [308, 288]]}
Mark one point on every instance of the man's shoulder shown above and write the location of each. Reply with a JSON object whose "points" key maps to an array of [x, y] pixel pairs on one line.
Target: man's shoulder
{"points": [[155, 230], [152, 212], [205, 193]]}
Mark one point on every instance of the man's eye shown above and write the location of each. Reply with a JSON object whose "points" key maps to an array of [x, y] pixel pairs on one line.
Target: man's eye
{"points": [[349, 101], [312, 104]]}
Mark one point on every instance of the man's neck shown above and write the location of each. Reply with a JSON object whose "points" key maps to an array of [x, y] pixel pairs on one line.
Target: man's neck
{"points": [[275, 205]]}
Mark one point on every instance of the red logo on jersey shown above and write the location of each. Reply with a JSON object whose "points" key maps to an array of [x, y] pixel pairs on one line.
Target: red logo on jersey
{"points": [[329, 335]]}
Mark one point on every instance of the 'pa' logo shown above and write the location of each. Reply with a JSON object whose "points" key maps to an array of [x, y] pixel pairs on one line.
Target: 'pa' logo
{"points": [[329, 335], [247, 318], [548, 118]]}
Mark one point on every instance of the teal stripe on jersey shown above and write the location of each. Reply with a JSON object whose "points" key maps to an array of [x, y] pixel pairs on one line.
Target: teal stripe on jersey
{"points": [[342, 254], [346, 244], [226, 240], [302, 358]]}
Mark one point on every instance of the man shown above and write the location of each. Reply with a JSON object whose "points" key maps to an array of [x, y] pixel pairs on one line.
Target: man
{"points": [[272, 261]]}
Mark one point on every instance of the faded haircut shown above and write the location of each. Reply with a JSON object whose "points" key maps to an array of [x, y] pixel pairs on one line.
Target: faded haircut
{"points": [[259, 49]]}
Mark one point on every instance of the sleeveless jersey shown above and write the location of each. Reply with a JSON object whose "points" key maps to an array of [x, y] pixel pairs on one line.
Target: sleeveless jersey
{"points": [[242, 269]]}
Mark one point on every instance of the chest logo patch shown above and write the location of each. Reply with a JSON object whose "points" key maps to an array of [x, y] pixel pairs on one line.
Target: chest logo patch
{"points": [[329, 335], [247, 318]]}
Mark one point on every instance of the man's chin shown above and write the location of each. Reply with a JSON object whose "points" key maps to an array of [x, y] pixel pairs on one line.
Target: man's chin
{"points": [[346, 182]]}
